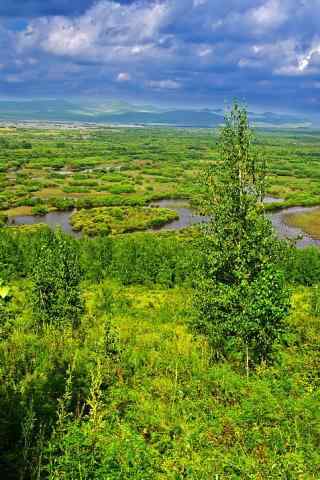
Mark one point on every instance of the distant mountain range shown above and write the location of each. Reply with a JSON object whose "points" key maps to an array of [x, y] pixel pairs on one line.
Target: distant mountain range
{"points": [[122, 113]]}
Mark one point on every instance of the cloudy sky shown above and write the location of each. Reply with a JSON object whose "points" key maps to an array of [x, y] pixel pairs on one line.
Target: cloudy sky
{"points": [[169, 52]]}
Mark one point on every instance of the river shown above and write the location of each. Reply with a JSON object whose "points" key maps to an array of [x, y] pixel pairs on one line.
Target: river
{"points": [[187, 217]]}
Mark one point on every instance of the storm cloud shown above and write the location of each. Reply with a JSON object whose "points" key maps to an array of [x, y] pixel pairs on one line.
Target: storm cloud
{"points": [[204, 52]]}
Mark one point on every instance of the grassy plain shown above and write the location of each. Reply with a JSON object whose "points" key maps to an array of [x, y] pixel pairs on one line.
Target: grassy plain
{"points": [[58, 169]]}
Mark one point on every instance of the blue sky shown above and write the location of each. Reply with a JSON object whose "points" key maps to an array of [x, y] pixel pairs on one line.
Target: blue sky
{"points": [[166, 52]]}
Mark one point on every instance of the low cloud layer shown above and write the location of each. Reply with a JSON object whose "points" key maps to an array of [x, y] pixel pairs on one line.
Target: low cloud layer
{"points": [[265, 52]]}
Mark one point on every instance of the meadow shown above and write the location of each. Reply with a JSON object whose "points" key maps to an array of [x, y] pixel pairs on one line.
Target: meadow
{"points": [[103, 373]]}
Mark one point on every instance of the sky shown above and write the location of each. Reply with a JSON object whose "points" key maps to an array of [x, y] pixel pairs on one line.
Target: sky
{"points": [[205, 53]]}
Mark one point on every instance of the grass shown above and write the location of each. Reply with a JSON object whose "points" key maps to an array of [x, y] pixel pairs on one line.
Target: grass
{"points": [[168, 412], [116, 220], [307, 221], [200, 420], [17, 211]]}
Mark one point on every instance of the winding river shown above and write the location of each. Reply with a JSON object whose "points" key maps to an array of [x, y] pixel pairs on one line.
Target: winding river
{"points": [[187, 217], [53, 220]]}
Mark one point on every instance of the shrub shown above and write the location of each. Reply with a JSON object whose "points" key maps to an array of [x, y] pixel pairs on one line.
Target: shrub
{"points": [[56, 279]]}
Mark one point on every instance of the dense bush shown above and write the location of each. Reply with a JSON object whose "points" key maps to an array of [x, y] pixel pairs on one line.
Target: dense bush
{"points": [[118, 220], [133, 259], [146, 259], [56, 279], [302, 266], [3, 219], [130, 394], [11, 256], [40, 210]]}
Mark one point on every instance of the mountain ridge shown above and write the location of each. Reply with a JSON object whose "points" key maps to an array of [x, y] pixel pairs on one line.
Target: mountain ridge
{"points": [[120, 112]]}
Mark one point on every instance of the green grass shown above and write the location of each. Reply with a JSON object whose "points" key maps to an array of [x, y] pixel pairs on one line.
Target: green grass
{"points": [[164, 410], [118, 220], [307, 221]]}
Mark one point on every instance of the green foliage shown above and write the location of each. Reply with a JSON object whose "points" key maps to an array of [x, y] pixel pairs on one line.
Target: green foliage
{"points": [[248, 314], [315, 300], [135, 259], [132, 392], [145, 260], [3, 219], [122, 188], [242, 299], [96, 257], [56, 280], [81, 447], [117, 220], [4, 291], [39, 210], [62, 203], [162, 161], [5, 297], [11, 257], [302, 266]]}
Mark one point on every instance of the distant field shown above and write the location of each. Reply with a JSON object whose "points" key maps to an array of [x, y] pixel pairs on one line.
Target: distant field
{"points": [[45, 169]]}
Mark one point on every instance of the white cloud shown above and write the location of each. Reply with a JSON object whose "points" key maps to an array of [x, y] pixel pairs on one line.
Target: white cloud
{"points": [[216, 24], [123, 77], [301, 63], [139, 49], [104, 31], [269, 15], [198, 3], [306, 60], [283, 56], [164, 84], [204, 51], [257, 49], [121, 35]]}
